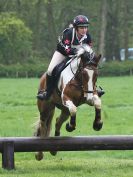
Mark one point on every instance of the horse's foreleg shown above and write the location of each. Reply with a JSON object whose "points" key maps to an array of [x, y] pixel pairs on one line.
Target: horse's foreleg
{"points": [[72, 109], [97, 124], [70, 126]]}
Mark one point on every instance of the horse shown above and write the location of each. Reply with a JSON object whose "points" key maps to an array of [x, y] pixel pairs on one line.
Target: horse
{"points": [[76, 85]]}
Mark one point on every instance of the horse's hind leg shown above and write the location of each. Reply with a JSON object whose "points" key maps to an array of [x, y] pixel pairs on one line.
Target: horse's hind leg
{"points": [[59, 121], [44, 125]]}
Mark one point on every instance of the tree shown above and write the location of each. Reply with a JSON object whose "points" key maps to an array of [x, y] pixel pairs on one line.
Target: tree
{"points": [[51, 24], [126, 30], [113, 31], [37, 26], [15, 39], [103, 27]]}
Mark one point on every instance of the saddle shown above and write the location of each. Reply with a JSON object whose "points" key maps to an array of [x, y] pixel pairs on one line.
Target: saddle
{"points": [[59, 68]]}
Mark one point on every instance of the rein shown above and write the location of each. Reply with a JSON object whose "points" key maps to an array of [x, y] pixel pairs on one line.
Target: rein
{"points": [[71, 66]]}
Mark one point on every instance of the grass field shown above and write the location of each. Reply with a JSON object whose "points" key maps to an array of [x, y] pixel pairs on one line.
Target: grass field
{"points": [[18, 113]]}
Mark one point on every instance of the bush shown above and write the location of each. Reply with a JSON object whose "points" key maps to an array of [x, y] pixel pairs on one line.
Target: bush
{"points": [[116, 68]]}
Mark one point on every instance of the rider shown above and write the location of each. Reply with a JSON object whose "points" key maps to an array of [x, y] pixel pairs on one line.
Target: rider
{"points": [[67, 46]]}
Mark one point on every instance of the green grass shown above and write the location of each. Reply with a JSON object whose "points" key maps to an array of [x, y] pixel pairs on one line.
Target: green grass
{"points": [[18, 113]]}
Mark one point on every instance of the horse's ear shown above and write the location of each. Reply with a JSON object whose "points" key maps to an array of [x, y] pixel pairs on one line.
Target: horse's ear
{"points": [[98, 58]]}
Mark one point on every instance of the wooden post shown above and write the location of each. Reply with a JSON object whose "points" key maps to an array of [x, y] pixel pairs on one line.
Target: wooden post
{"points": [[8, 155]]}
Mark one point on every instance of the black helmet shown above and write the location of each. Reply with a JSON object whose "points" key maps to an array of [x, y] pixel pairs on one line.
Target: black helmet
{"points": [[80, 20]]}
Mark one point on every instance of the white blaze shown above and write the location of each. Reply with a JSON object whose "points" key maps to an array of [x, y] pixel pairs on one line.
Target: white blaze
{"points": [[90, 84]]}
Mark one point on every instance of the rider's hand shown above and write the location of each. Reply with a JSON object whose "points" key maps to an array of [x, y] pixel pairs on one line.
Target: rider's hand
{"points": [[80, 52]]}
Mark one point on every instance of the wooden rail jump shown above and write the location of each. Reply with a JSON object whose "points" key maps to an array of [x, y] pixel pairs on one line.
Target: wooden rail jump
{"points": [[9, 145]]}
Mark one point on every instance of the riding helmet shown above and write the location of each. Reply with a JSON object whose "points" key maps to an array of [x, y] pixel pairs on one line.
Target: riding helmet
{"points": [[80, 20]]}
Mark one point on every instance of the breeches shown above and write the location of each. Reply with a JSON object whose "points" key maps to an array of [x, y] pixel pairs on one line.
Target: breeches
{"points": [[56, 59]]}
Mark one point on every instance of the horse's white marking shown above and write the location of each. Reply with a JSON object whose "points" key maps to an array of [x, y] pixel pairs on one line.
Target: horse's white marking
{"points": [[72, 108], [97, 101], [90, 84]]}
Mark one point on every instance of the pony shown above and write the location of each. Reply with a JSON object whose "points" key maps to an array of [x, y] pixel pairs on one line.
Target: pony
{"points": [[74, 86]]}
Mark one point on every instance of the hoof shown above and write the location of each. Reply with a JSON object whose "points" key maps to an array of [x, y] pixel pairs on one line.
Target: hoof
{"points": [[69, 128], [39, 156], [97, 126], [53, 153]]}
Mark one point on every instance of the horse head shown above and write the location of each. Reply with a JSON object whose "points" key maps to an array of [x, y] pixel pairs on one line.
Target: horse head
{"points": [[88, 55], [87, 72]]}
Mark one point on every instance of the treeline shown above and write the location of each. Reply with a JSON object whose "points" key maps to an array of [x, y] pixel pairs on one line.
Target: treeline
{"points": [[29, 29]]}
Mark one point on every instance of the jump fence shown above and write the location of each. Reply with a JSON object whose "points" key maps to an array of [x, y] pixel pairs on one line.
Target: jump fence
{"points": [[9, 145]]}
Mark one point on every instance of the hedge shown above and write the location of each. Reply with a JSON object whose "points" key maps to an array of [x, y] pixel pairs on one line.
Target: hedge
{"points": [[116, 68], [36, 70], [26, 70]]}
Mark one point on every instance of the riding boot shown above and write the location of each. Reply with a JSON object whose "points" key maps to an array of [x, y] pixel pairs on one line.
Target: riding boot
{"points": [[100, 91], [49, 89]]}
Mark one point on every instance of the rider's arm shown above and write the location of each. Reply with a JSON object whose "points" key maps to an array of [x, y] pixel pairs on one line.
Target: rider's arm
{"points": [[64, 45], [89, 40]]}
